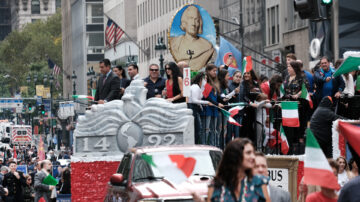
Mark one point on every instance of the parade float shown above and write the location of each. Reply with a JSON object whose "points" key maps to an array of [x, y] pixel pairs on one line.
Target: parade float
{"points": [[109, 130]]}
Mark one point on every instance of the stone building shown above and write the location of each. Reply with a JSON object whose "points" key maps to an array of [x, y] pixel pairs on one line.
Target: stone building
{"points": [[27, 11]]}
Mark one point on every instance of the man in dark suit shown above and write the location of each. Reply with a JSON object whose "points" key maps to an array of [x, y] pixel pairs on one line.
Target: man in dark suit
{"points": [[108, 84], [43, 190], [261, 168]]}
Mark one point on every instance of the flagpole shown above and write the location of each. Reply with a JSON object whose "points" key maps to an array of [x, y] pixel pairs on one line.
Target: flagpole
{"points": [[144, 51]]}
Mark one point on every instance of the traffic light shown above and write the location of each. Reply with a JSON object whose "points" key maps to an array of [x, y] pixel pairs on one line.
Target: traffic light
{"points": [[42, 109], [29, 107], [307, 9]]}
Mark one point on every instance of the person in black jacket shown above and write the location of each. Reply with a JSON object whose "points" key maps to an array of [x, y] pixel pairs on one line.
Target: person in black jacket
{"points": [[107, 88], [14, 181], [321, 123]]}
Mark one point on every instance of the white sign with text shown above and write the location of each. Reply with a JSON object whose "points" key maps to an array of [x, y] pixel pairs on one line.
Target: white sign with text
{"points": [[279, 177], [186, 82]]}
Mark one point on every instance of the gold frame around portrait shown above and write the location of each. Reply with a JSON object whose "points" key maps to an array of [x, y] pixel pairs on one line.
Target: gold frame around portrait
{"points": [[287, 162]]}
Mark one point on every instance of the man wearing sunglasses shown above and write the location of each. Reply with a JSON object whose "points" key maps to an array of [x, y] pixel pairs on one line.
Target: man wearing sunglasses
{"points": [[154, 82]]}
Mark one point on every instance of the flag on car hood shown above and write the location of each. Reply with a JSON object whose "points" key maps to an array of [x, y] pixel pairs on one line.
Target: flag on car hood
{"points": [[174, 167]]}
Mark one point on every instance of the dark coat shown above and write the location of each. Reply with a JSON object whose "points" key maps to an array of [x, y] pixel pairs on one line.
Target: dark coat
{"points": [[321, 121], [14, 186], [110, 90]]}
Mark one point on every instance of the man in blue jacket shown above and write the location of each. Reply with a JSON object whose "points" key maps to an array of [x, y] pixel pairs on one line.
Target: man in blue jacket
{"points": [[325, 83]]}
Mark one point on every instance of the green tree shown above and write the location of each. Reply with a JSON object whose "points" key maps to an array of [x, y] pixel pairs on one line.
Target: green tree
{"points": [[25, 52]]}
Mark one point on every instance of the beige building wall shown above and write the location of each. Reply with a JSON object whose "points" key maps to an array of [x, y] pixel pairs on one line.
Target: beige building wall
{"points": [[21, 12], [299, 38]]}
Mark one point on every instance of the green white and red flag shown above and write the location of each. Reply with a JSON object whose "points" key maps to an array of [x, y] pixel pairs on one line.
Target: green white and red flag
{"points": [[284, 142], [207, 90], [246, 65], [231, 120], [83, 97], [317, 170], [282, 90], [174, 167], [235, 110], [305, 95], [290, 114]]}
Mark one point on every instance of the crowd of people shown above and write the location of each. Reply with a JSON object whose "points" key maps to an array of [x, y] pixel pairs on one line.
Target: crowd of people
{"points": [[213, 90], [23, 172]]}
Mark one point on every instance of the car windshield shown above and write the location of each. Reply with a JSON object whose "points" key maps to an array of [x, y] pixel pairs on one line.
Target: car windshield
{"points": [[151, 166]]}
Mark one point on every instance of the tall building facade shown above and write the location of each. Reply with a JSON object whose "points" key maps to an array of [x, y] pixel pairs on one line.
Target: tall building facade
{"points": [[83, 42], [27, 11], [5, 18], [153, 21], [285, 31]]}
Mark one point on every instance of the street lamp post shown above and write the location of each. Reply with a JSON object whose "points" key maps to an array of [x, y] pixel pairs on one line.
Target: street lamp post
{"points": [[160, 46], [74, 77], [51, 81], [91, 74]]}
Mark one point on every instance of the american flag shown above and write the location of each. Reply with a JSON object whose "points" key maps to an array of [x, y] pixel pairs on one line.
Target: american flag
{"points": [[113, 33], [56, 69]]}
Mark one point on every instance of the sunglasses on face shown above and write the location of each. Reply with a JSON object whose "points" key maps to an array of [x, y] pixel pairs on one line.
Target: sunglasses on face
{"points": [[154, 70], [167, 68]]}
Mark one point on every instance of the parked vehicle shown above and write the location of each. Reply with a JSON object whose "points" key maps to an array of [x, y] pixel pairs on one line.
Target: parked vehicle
{"points": [[16, 134], [137, 180]]}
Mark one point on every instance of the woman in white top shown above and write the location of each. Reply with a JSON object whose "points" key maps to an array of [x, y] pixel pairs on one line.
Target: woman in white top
{"points": [[195, 103], [343, 175]]}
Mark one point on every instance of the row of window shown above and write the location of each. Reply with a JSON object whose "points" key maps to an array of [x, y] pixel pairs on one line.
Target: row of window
{"points": [[152, 9], [35, 6], [150, 43]]}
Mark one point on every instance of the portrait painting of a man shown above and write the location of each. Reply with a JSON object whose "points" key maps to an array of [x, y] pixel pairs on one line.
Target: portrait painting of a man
{"points": [[192, 27]]}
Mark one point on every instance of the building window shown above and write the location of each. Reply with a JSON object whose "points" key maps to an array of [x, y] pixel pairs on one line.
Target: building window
{"points": [[273, 25], [95, 42], [35, 7], [58, 4], [94, 13]]}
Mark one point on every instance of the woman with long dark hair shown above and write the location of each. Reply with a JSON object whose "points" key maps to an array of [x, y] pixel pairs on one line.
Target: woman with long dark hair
{"points": [[225, 96], [234, 86], [210, 113], [234, 180], [249, 89], [292, 85], [174, 87], [124, 81]]}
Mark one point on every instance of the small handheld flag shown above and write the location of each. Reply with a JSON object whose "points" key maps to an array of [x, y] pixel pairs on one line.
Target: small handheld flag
{"points": [[247, 65], [290, 114]]}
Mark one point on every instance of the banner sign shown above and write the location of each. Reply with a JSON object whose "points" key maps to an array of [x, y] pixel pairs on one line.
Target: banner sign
{"points": [[11, 103], [186, 82], [22, 168], [279, 177], [66, 109]]}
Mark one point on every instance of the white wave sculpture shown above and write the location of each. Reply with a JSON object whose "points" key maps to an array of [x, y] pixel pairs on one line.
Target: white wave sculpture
{"points": [[114, 127]]}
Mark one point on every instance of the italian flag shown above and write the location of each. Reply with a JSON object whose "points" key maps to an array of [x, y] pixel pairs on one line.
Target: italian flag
{"points": [[284, 142], [351, 63], [83, 97], [235, 110], [290, 114], [317, 170], [305, 95], [352, 134], [207, 90], [231, 120], [282, 90], [174, 167], [246, 65]]}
